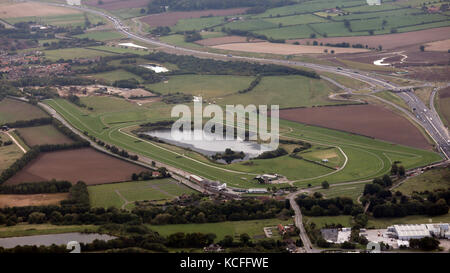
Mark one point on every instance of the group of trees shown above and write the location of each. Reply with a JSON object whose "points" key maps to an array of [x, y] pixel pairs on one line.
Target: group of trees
{"points": [[38, 187], [316, 205], [272, 154], [252, 85], [148, 175], [52, 81], [228, 156], [191, 64], [383, 203], [208, 211]]}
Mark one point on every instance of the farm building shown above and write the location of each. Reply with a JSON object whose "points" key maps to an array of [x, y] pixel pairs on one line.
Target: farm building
{"points": [[195, 178], [407, 232], [257, 190]]}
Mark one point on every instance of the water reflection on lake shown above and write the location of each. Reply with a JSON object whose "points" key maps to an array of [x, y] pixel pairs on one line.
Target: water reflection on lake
{"points": [[57, 239], [186, 140]]}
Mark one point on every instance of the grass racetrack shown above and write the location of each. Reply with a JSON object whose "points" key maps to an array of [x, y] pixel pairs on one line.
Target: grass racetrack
{"points": [[363, 158]]}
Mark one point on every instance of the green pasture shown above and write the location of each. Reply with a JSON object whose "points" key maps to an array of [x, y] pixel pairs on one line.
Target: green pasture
{"points": [[254, 228], [107, 195]]}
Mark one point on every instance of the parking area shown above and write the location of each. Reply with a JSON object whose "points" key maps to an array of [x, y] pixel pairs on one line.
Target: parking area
{"points": [[379, 235]]}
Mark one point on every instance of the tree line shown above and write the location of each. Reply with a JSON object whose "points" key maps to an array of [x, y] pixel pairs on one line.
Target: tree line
{"points": [[37, 187], [191, 64]]}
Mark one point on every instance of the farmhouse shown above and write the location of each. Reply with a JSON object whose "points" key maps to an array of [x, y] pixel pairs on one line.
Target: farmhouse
{"points": [[256, 190], [266, 178]]}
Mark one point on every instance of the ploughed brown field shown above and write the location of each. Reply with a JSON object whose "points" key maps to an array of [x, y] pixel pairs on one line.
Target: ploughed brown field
{"points": [[171, 18], [24, 200], [368, 120], [444, 104], [85, 164], [388, 41], [118, 4]]}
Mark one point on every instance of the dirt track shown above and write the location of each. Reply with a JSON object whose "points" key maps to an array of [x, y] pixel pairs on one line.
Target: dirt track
{"points": [[369, 120], [85, 164]]}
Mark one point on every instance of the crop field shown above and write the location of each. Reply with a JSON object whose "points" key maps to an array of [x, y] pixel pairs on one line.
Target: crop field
{"points": [[8, 154], [285, 49], [24, 200], [362, 157], [207, 86], [13, 110], [430, 180], [74, 53], [285, 91], [85, 164], [171, 18], [72, 20], [121, 194], [443, 105], [388, 41], [316, 18], [115, 75], [40, 135], [352, 191], [27, 9], [101, 35], [254, 228], [368, 120]]}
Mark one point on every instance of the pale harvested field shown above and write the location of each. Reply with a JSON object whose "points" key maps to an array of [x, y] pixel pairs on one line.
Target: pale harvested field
{"points": [[23, 200], [26, 9], [443, 45], [284, 49], [388, 41], [224, 40]]}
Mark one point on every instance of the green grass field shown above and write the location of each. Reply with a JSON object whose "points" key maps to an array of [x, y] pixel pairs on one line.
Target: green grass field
{"points": [[407, 220], [430, 180], [321, 221], [285, 91], [310, 17], [115, 75], [207, 86], [73, 53], [40, 135], [8, 154], [101, 35], [352, 191], [41, 229], [254, 228], [73, 20], [346, 220], [366, 158], [13, 110], [112, 195]]}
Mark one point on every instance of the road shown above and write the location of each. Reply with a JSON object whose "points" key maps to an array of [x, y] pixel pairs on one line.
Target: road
{"points": [[308, 247]]}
